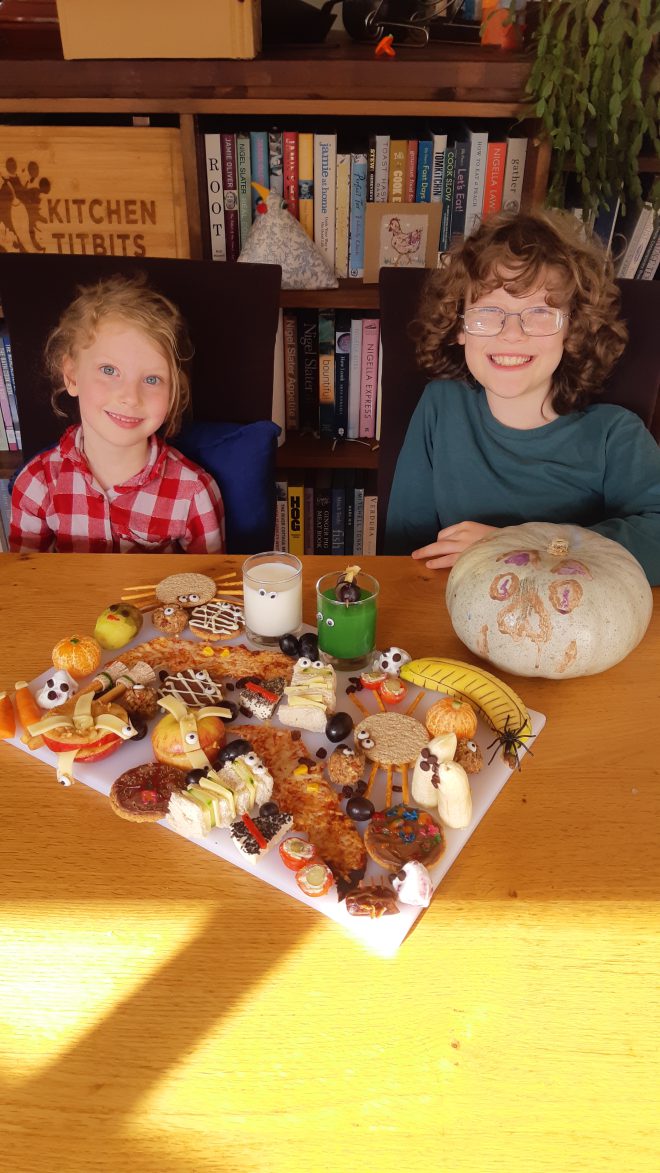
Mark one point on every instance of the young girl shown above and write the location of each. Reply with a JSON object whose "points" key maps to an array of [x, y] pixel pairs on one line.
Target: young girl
{"points": [[112, 484], [521, 321]]}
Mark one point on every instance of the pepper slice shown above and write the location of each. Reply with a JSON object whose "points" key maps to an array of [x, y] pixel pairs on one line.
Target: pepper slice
{"points": [[255, 832], [315, 879], [296, 853]]}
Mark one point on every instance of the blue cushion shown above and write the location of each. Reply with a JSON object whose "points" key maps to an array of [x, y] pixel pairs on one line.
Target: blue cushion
{"points": [[241, 460]]}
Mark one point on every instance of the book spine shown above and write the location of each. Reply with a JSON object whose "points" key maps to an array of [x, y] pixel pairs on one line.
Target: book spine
{"points": [[448, 200], [494, 178], [476, 179], [306, 182], [369, 375], [244, 178], [342, 214], [342, 372], [349, 511], [358, 522], [295, 496], [354, 379], [4, 442], [278, 411], [370, 526], [309, 515], [337, 512], [424, 166], [10, 384], [357, 214], [215, 197], [290, 322], [460, 180], [326, 372], [382, 169], [605, 222], [639, 238], [308, 370], [276, 161], [290, 165], [229, 184], [259, 163], [397, 177], [6, 411], [411, 169], [281, 539], [439, 149], [371, 169], [325, 178], [514, 174], [379, 390], [322, 508], [648, 265]]}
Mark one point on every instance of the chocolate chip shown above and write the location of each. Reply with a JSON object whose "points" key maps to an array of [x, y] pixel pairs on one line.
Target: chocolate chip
{"points": [[321, 753], [397, 789], [350, 688], [296, 735]]}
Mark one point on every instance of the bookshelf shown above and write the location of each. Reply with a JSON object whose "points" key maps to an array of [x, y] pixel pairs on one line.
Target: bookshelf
{"points": [[339, 79]]}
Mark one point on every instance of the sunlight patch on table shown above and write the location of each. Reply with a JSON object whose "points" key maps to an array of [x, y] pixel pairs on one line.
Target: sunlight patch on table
{"points": [[64, 968]]}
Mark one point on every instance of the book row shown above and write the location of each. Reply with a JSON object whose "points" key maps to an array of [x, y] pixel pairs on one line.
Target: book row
{"points": [[470, 172], [632, 237], [326, 512], [10, 432], [331, 373]]}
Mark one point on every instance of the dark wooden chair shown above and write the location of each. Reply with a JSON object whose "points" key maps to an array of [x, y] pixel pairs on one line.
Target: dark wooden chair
{"points": [[634, 382], [231, 311]]}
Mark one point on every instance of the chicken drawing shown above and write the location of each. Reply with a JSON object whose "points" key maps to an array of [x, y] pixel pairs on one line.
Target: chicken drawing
{"points": [[405, 244]]}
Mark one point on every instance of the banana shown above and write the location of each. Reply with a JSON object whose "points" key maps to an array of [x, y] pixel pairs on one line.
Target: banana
{"points": [[502, 708]]}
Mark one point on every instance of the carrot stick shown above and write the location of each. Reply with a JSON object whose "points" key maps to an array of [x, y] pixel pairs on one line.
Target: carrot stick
{"points": [[7, 717], [26, 706]]}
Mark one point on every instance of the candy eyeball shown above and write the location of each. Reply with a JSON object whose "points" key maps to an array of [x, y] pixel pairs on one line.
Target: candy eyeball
{"points": [[127, 731], [472, 746], [169, 611], [392, 660], [365, 739], [272, 595], [329, 622], [319, 615], [251, 759], [317, 663], [191, 738], [194, 598], [304, 662]]}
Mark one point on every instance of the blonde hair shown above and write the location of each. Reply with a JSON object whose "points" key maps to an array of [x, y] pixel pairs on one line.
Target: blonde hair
{"points": [[520, 252], [132, 300]]}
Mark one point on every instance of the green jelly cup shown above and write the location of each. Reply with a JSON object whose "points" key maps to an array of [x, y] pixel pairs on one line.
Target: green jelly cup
{"points": [[346, 631]]}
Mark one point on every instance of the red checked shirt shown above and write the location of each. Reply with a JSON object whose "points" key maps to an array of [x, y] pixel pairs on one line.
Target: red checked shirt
{"points": [[171, 504]]}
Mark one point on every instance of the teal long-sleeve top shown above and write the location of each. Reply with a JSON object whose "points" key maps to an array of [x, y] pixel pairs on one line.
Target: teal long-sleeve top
{"points": [[599, 468]]}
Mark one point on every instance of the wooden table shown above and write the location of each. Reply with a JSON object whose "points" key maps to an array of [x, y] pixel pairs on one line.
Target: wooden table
{"points": [[164, 1011]]}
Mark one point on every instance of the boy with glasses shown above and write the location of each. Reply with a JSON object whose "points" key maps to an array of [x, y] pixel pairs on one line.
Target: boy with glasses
{"points": [[521, 324]]}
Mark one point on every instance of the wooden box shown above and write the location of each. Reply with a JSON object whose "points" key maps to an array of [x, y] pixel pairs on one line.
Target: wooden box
{"points": [[115, 191], [160, 28]]}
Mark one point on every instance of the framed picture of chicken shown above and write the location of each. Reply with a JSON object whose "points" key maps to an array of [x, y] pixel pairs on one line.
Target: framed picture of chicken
{"points": [[400, 236]]}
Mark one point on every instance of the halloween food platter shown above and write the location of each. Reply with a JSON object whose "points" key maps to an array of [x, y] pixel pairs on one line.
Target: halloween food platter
{"points": [[352, 793]]}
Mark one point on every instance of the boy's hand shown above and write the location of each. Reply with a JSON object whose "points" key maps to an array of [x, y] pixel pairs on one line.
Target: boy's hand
{"points": [[451, 542]]}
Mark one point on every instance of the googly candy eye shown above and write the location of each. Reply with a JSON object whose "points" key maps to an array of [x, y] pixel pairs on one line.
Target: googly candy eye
{"points": [[472, 746], [367, 743], [183, 599], [200, 674], [259, 768], [191, 738], [251, 759], [127, 731], [169, 611], [329, 622], [317, 664], [262, 593], [364, 735], [273, 595], [319, 615], [194, 598], [303, 662]]}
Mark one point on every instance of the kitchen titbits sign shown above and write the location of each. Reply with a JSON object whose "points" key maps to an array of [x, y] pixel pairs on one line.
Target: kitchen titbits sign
{"points": [[92, 191]]}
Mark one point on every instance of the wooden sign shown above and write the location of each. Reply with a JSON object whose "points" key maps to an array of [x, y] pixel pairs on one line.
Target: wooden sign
{"points": [[160, 28], [98, 190]]}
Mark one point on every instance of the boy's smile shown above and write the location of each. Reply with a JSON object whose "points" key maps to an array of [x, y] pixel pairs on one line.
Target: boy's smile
{"points": [[122, 383], [514, 368]]}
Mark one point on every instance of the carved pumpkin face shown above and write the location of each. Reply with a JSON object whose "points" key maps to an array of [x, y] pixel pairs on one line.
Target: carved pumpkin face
{"points": [[541, 599]]}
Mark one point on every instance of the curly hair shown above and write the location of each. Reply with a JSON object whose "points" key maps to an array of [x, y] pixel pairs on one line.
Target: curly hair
{"points": [[520, 252], [131, 300]]}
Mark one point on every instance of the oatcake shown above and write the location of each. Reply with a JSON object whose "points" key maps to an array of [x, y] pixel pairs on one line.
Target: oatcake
{"points": [[397, 739]]}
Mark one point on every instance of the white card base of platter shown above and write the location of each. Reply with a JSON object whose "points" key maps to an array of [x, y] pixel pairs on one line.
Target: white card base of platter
{"points": [[382, 936]]}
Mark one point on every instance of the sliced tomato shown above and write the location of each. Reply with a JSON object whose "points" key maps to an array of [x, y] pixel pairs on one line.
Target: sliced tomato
{"points": [[392, 690], [373, 679], [315, 879]]}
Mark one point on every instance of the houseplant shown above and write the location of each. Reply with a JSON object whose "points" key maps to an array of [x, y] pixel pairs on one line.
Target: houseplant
{"points": [[595, 86]]}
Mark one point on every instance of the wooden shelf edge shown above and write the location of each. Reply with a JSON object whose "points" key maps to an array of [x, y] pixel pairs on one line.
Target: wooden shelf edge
{"points": [[307, 451], [349, 295]]}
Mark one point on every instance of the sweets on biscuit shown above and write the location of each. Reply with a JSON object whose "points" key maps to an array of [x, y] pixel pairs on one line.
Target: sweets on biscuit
{"points": [[142, 795]]}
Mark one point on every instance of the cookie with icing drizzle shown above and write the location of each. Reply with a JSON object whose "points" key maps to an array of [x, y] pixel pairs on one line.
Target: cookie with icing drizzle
{"points": [[217, 620]]}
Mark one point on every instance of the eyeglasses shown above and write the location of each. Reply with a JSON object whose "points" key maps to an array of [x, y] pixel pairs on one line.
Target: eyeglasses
{"points": [[539, 321]]}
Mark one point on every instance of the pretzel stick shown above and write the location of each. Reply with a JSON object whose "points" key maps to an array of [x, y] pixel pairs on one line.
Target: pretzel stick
{"points": [[380, 703], [404, 785], [411, 708], [224, 577], [388, 787], [140, 590], [371, 779], [239, 591], [358, 704], [142, 607]]}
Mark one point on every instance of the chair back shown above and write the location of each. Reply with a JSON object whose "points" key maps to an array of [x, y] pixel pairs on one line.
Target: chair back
{"points": [[634, 383], [231, 311]]}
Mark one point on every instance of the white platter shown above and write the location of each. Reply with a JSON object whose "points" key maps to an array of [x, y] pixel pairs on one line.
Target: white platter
{"points": [[382, 936]]}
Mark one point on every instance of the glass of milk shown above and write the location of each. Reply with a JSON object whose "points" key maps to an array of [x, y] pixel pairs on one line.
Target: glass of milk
{"points": [[272, 596]]}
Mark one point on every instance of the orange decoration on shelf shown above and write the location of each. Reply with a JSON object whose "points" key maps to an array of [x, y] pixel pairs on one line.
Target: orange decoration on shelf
{"points": [[384, 47], [79, 655]]}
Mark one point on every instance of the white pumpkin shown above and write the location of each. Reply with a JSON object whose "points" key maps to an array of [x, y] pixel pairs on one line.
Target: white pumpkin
{"points": [[542, 599]]}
